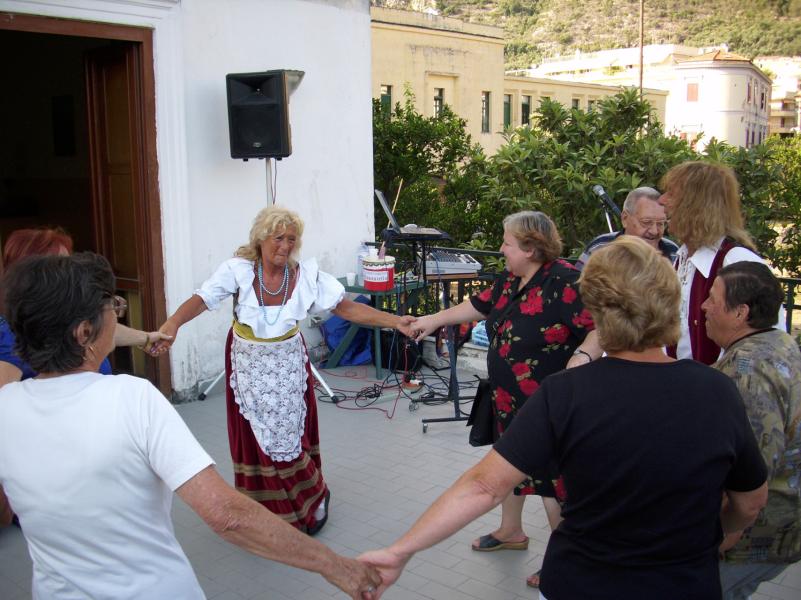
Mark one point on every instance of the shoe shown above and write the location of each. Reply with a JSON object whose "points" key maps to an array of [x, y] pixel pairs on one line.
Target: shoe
{"points": [[533, 581], [315, 529], [489, 543]]}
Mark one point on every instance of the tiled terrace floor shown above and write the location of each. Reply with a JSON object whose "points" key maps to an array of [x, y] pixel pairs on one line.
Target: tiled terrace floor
{"points": [[383, 473]]}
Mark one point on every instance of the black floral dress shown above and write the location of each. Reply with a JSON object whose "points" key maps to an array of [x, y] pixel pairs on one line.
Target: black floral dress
{"points": [[534, 338]]}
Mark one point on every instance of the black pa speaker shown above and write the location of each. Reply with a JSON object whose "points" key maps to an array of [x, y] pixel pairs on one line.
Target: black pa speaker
{"points": [[258, 114]]}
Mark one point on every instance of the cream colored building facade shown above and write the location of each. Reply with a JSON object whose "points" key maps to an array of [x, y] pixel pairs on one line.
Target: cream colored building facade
{"points": [[444, 60], [785, 99], [715, 93]]}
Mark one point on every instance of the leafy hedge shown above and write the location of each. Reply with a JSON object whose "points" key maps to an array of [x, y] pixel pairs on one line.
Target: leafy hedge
{"points": [[553, 165]]}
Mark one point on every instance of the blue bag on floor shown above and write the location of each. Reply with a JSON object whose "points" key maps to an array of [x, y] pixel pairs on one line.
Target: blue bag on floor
{"points": [[359, 352]]}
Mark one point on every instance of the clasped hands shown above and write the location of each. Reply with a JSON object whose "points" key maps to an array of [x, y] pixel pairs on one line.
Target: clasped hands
{"points": [[417, 328]]}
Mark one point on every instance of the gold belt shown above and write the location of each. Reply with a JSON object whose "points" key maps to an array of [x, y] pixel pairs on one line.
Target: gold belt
{"points": [[246, 333]]}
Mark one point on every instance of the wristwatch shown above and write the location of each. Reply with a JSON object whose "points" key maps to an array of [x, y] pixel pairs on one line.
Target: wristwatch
{"points": [[578, 351]]}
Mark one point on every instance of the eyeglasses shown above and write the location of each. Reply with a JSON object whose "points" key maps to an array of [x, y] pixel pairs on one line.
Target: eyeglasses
{"points": [[648, 224], [119, 306]]}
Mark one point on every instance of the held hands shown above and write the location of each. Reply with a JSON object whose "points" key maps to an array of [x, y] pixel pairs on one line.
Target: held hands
{"points": [[389, 564], [358, 580], [425, 326], [166, 336], [406, 325], [153, 338]]}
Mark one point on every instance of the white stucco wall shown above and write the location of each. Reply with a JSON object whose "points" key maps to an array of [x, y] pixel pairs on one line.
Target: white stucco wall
{"points": [[208, 199]]}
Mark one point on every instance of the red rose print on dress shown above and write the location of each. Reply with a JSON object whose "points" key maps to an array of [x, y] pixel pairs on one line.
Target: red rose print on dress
{"points": [[504, 350], [557, 334], [528, 386], [584, 319], [520, 369], [501, 302], [507, 285], [504, 326], [561, 491], [485, 295], [568, 295], [532, 305], [503, 400]]}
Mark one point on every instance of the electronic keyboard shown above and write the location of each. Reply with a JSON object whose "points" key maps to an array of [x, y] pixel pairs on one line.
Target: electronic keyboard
{"points": [[442, 262]]}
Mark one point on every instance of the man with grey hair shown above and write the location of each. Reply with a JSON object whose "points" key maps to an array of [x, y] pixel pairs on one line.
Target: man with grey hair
{"points": [[642, 216]]}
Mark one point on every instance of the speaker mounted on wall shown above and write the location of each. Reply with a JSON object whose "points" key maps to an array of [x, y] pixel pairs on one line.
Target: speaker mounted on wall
{"points": [[258, 115]]}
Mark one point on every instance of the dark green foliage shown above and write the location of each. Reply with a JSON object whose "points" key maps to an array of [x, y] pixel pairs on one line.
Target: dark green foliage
{"points": [[553, 165], [435, 159]]}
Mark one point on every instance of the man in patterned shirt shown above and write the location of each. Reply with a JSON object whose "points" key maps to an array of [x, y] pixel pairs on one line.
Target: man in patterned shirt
{"points": [[765, 364], [642, 216]]}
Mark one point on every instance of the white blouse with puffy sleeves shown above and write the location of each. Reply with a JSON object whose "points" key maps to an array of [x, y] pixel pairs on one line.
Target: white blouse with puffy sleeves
{"points": [[315, 292]]}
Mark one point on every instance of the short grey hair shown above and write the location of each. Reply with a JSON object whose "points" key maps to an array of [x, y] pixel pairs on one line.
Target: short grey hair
{"points": [[630, 205]]}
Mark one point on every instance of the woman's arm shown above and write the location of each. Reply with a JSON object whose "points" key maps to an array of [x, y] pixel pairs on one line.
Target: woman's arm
{"points": [[742, 508], [9, 373], [247, 524], [591, 346], [477, 491], [185, 313], [127, 336], [363, 314], [461, 313]]}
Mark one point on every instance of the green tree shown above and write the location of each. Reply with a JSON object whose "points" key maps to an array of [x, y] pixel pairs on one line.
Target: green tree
{"points": [[432, 161], [553, 165]]}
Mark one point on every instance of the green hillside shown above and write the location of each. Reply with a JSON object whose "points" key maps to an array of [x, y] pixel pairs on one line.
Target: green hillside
{"points": [[542, 28]]}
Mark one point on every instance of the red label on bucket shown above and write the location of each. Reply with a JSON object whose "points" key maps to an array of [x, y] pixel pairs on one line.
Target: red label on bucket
{"points": [[379, 273]]}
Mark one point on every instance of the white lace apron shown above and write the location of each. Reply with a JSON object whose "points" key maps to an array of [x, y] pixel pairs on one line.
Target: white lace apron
{"points": [[269, 383]]}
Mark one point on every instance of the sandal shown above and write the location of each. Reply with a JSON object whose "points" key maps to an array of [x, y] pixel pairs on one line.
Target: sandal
{"points": [[534, 580], [489, 543]]}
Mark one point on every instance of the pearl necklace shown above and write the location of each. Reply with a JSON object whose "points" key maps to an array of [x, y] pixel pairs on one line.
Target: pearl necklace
{"points": [[284, 282], [284, 285]]}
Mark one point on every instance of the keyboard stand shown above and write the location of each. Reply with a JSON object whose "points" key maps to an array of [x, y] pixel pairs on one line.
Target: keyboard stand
{"points": [[453, 383]]}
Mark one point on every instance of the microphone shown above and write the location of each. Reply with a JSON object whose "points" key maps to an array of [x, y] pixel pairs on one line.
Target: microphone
{"points": [[607, 203]]}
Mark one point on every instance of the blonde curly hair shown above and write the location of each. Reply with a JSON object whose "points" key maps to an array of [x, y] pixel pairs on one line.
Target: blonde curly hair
{"points": [[633, 294], [271, 221]]}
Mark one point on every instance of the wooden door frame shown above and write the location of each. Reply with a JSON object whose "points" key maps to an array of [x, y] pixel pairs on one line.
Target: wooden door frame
{"points": [[149, 253]]}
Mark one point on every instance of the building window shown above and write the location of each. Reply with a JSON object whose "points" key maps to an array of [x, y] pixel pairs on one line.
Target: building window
{"points": [[525, 111], [749, 93], [507, 110], [762, 101], [439, 101], [590, 105], [386, 98], [692, 92], [485, 112], [747, 136], [782, 123], [576, 103]]}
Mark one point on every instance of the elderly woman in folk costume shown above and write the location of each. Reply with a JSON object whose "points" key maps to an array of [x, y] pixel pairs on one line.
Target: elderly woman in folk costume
{"points": [[272, 416]]}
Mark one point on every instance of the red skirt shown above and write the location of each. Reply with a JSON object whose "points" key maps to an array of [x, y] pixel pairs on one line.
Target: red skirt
{"points": [[292, 490]]}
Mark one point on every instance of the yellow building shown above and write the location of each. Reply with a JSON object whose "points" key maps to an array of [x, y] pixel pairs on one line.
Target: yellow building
{"points": [[443, 60]]}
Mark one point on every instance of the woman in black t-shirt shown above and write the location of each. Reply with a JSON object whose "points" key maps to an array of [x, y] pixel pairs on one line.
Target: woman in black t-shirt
{"points": [[646, 445]]}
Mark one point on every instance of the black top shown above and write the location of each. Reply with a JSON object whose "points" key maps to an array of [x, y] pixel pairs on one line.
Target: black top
{"points": [[646, 451]]}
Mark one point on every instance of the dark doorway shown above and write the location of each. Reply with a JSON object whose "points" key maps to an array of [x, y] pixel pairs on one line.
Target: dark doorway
{"points": [[78, 152]]}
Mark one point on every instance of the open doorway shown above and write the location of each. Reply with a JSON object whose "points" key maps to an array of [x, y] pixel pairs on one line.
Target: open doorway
{"points": [[78, 152]]}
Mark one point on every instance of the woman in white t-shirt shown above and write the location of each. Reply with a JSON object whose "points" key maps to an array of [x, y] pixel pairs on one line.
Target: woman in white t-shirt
{"points": [[90, 462], [272, 414]]}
